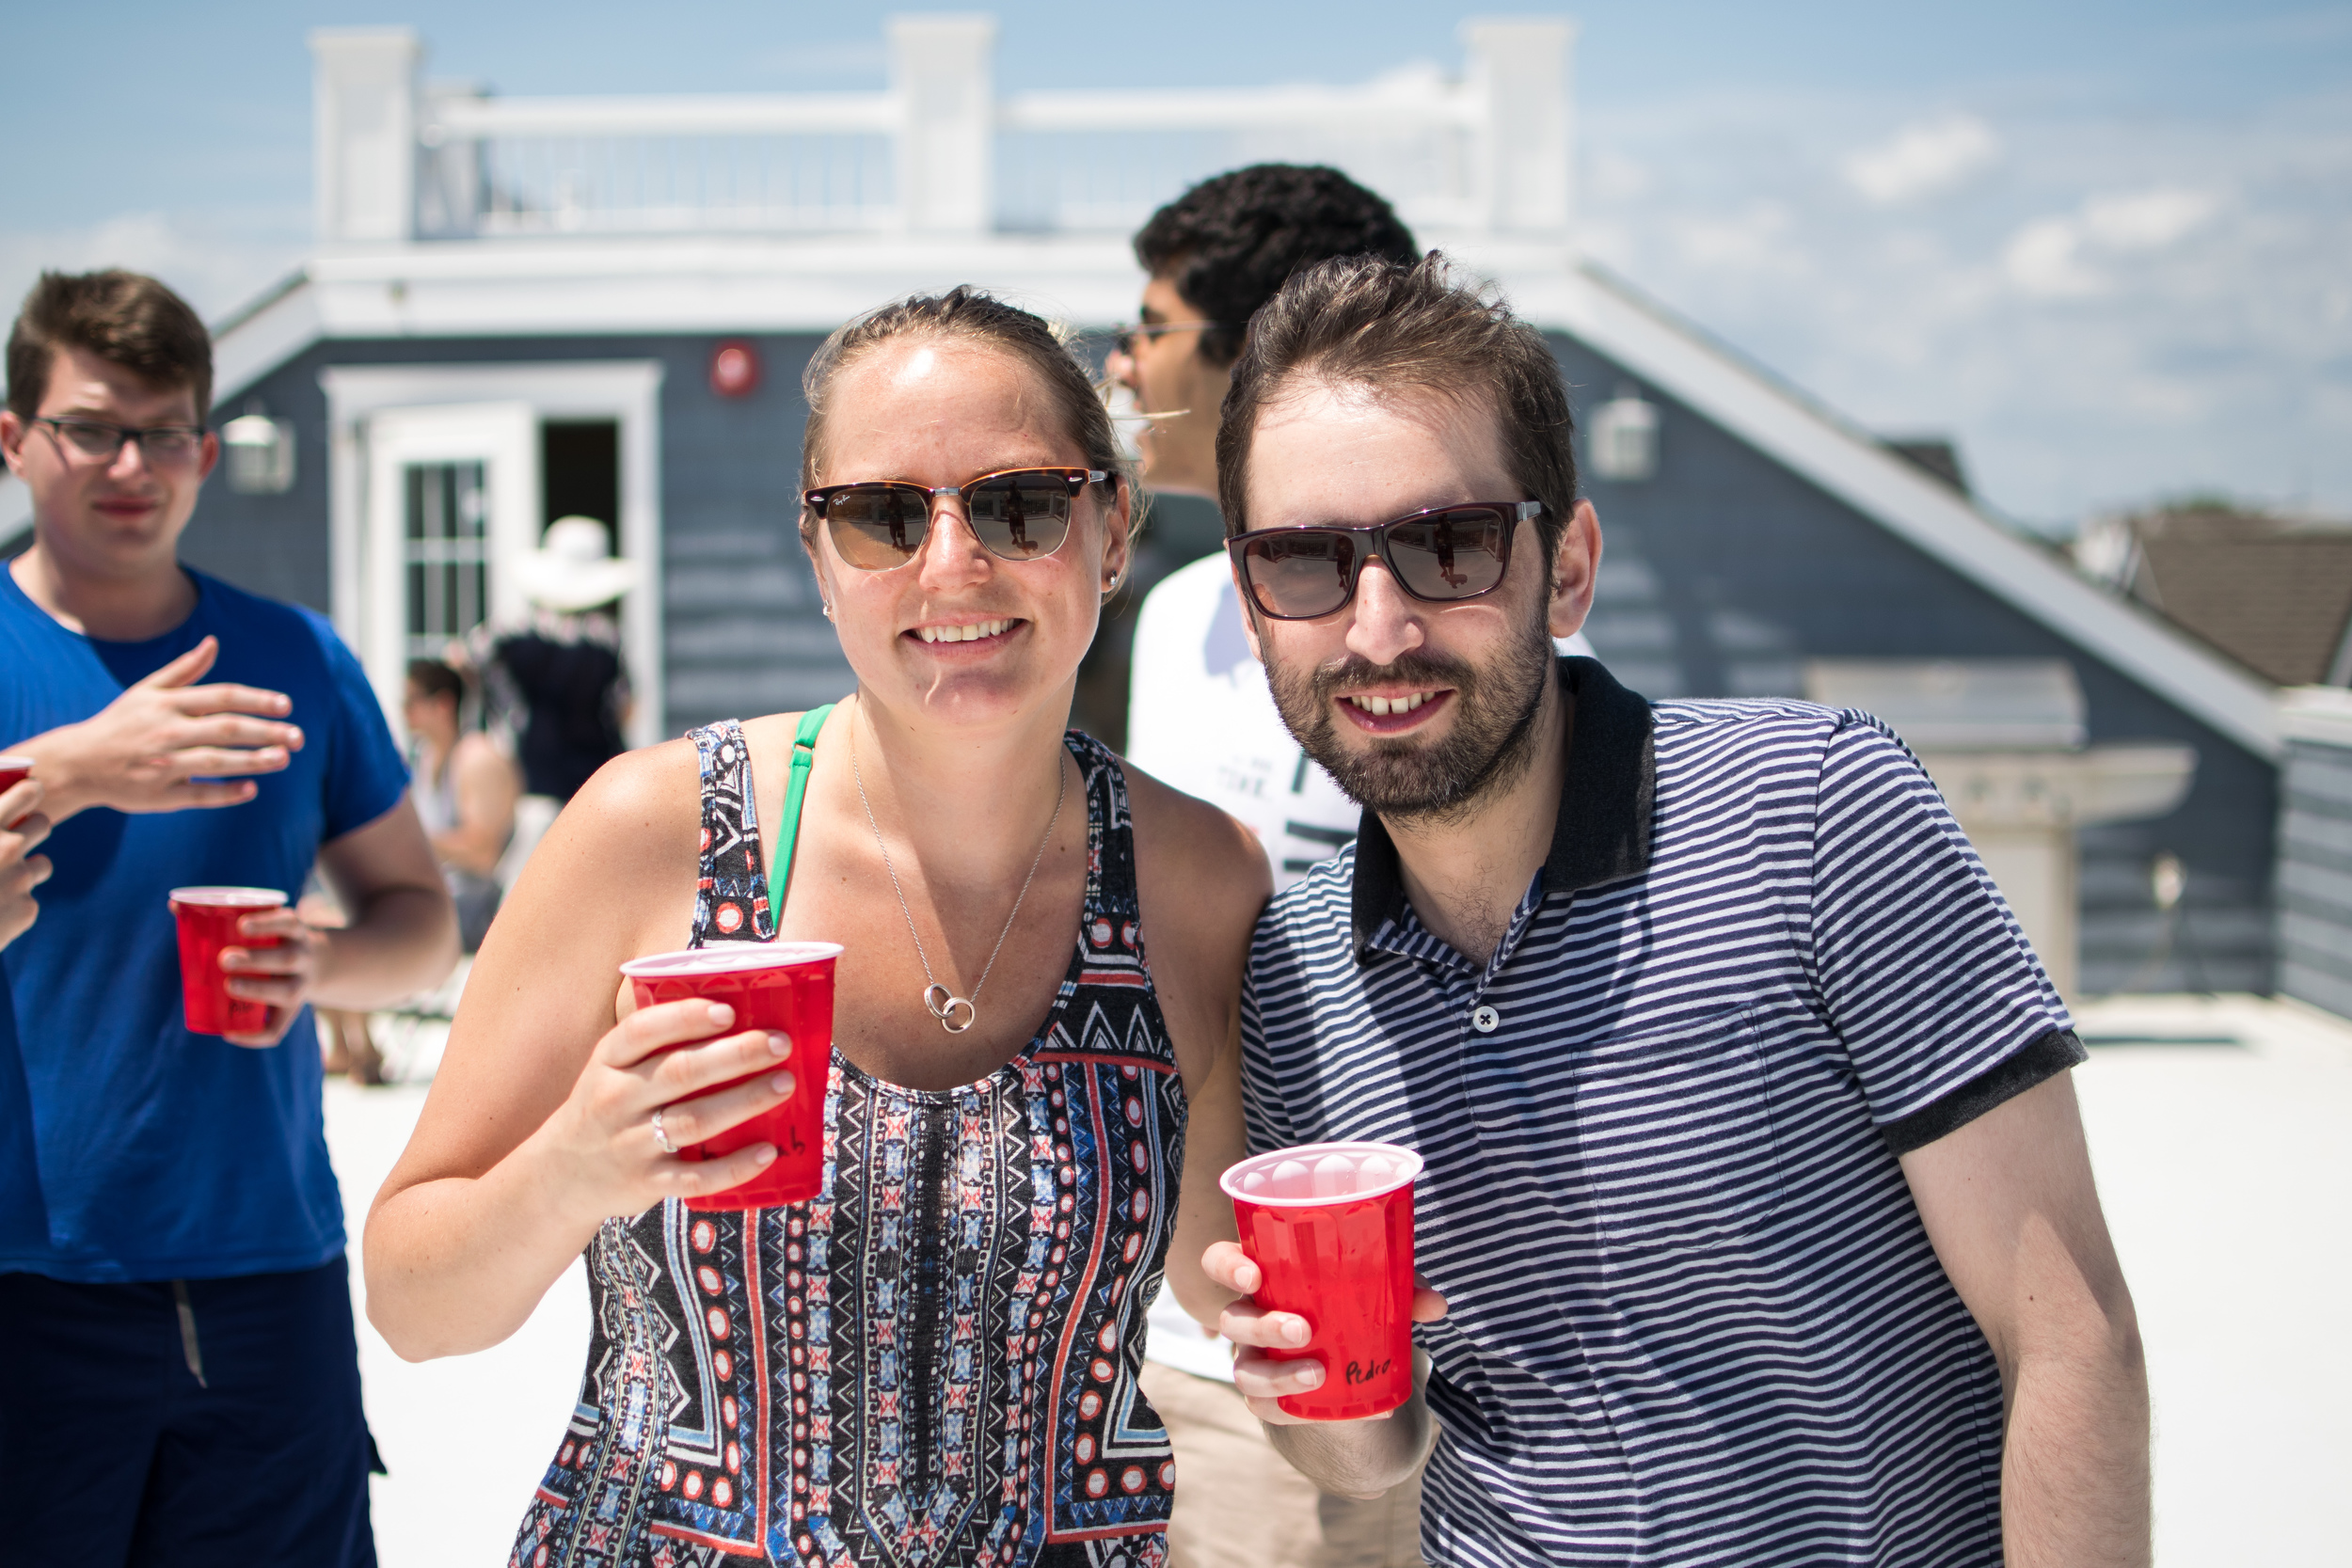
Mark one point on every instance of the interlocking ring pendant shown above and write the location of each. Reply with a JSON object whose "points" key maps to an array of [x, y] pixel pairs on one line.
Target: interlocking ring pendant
{"points": [[942, 1003]]}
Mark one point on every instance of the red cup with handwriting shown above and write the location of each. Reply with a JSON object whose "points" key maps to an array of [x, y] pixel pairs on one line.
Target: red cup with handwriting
{"points": [[207, 917], [13, 772], [1330, 1228], [781, 985]]}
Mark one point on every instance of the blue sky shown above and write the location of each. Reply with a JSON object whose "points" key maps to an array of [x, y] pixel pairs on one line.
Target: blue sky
{"points": [[2105, 246]]}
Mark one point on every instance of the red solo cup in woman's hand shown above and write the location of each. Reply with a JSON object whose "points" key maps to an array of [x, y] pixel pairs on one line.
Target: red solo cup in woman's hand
{"points": [[208, 919], [785, 988], [1331, 1228]]}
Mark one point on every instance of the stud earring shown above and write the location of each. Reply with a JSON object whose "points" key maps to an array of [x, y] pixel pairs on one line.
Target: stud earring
{"points": [[828, 611]]}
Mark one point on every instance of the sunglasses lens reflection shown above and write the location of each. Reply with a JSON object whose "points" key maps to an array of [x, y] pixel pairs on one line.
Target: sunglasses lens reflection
{"points": [[1452, 555], [876, 527], [1301, 573], [1022, 516]]}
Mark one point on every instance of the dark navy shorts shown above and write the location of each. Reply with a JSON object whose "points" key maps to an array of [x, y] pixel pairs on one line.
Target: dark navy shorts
{"points": [[114, 1448]]}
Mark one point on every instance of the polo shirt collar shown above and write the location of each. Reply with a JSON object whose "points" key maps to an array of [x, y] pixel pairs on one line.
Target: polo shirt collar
{"points": [[1602, 834]]}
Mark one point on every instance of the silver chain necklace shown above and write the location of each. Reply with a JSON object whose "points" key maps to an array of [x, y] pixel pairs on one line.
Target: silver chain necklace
{"points": [[937, 999]]}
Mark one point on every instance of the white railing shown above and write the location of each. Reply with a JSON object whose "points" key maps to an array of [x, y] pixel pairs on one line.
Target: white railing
{"points": [[937, 153]]}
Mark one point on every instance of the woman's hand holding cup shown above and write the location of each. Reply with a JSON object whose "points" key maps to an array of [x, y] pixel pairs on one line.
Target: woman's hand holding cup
{"points": [[662, 1059]]}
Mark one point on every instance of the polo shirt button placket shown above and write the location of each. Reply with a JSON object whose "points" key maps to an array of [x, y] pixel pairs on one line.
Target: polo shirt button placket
{"points": [[1486, 1019]]}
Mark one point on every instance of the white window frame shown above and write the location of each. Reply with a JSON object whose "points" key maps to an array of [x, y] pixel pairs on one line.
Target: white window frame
{"points": [[626, 390]]}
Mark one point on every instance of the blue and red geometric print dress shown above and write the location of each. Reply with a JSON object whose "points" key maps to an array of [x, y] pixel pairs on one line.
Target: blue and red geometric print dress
{"points": [[934, 1361]]}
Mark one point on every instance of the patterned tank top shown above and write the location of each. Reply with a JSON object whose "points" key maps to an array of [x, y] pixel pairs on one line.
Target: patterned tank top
{"points": [[934, 1361]]}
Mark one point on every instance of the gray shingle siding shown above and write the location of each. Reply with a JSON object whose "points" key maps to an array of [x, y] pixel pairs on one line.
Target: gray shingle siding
{"points": [[2316, 876]]}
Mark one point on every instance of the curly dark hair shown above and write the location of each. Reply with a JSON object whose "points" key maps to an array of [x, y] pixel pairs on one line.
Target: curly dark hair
{"points": [[1229, 243]]}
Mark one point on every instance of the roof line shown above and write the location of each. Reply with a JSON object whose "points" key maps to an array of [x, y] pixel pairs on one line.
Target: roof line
{"points": [[263, 301], [1797, 428]]}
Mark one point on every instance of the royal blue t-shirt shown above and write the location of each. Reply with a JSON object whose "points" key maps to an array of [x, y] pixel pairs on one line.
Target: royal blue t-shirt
{"points": [[23, 1218], [165, 1154]]}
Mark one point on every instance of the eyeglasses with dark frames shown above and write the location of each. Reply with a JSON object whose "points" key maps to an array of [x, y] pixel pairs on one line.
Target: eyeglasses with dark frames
{"points": [[162, 446], [1441, 555], [1018, 513], [1126, 337]]}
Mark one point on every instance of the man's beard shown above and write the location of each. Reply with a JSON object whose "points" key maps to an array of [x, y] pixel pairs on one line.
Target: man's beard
{"points": [[1490, 744]]}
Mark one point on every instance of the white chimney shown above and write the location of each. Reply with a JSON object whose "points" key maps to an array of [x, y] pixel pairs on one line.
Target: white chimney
{"points": [[1519, 66], [365, 132], [942, 70]]}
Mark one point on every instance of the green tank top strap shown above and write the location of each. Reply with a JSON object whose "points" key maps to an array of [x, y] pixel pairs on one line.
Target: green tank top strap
{"points": [[789, 829]]}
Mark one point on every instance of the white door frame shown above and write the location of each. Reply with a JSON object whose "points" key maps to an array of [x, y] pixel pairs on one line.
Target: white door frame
{"points": [[503, 438], [625, 391]]}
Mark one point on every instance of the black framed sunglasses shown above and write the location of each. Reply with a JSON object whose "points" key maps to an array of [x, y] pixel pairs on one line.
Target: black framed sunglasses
{"points": [[1019, 513], [1125, 338], [164, 446], [1439, 556]]}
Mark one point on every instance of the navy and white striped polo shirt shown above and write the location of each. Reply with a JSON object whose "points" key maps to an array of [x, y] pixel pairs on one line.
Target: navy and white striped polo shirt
{"points": [[1694, 1314]]}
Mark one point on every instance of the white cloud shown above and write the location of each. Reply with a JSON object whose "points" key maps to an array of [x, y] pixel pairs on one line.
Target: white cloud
{"points": [[2050, 258], [217, 262], [2148, 221], [1613, 177], [1922, 159], [2044, 261], [2111, 313]]}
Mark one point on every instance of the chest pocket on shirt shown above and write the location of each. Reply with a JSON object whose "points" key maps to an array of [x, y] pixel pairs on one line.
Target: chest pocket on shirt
{"points": [[1675, 1129]]}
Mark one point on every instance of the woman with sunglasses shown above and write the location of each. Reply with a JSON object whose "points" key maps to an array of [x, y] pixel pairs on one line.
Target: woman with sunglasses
{"points": [[935, 1359]]}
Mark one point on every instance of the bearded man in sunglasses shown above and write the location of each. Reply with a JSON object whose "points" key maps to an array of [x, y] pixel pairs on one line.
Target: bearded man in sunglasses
{"points": [[1757, 1213]]}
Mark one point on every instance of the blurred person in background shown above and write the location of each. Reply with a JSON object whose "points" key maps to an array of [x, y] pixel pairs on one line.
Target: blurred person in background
{"points": [[558, 680], [182, 1380], [464, 790], [1200, 720], [933, 1360]]}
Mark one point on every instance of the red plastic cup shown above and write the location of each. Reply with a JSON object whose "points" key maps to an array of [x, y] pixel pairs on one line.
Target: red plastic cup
{"points": [[208, 919], [1330, 1228], [784, 986], [13, 772]]}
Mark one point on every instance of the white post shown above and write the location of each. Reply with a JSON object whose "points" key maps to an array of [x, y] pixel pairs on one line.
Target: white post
{"points": [[365, 132], [1519, 67], [449, 168], [942, 68]]}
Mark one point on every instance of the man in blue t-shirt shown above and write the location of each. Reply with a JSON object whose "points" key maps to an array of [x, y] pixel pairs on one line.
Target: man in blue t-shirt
{"points": [[183, 1365]]}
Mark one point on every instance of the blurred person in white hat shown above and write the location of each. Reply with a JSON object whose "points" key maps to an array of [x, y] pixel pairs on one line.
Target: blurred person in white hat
{"points": [[557, 681]]}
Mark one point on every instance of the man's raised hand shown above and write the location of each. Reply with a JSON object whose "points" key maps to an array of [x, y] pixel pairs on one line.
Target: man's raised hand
{"points": [[147, 749]]}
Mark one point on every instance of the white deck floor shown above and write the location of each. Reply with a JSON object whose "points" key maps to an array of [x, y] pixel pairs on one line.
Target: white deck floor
{"points": [[2223, 1134]]}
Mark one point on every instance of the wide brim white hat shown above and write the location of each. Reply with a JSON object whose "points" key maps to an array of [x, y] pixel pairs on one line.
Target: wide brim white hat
{"points": [[574, 568]]}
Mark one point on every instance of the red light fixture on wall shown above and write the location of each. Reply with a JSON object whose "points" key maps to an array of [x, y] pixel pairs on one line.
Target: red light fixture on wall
{"points": [[734, 369]]}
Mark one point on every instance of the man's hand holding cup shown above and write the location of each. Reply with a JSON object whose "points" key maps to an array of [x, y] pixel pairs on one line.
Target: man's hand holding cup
{"points": [[22, 829], [1262, 1379]]}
